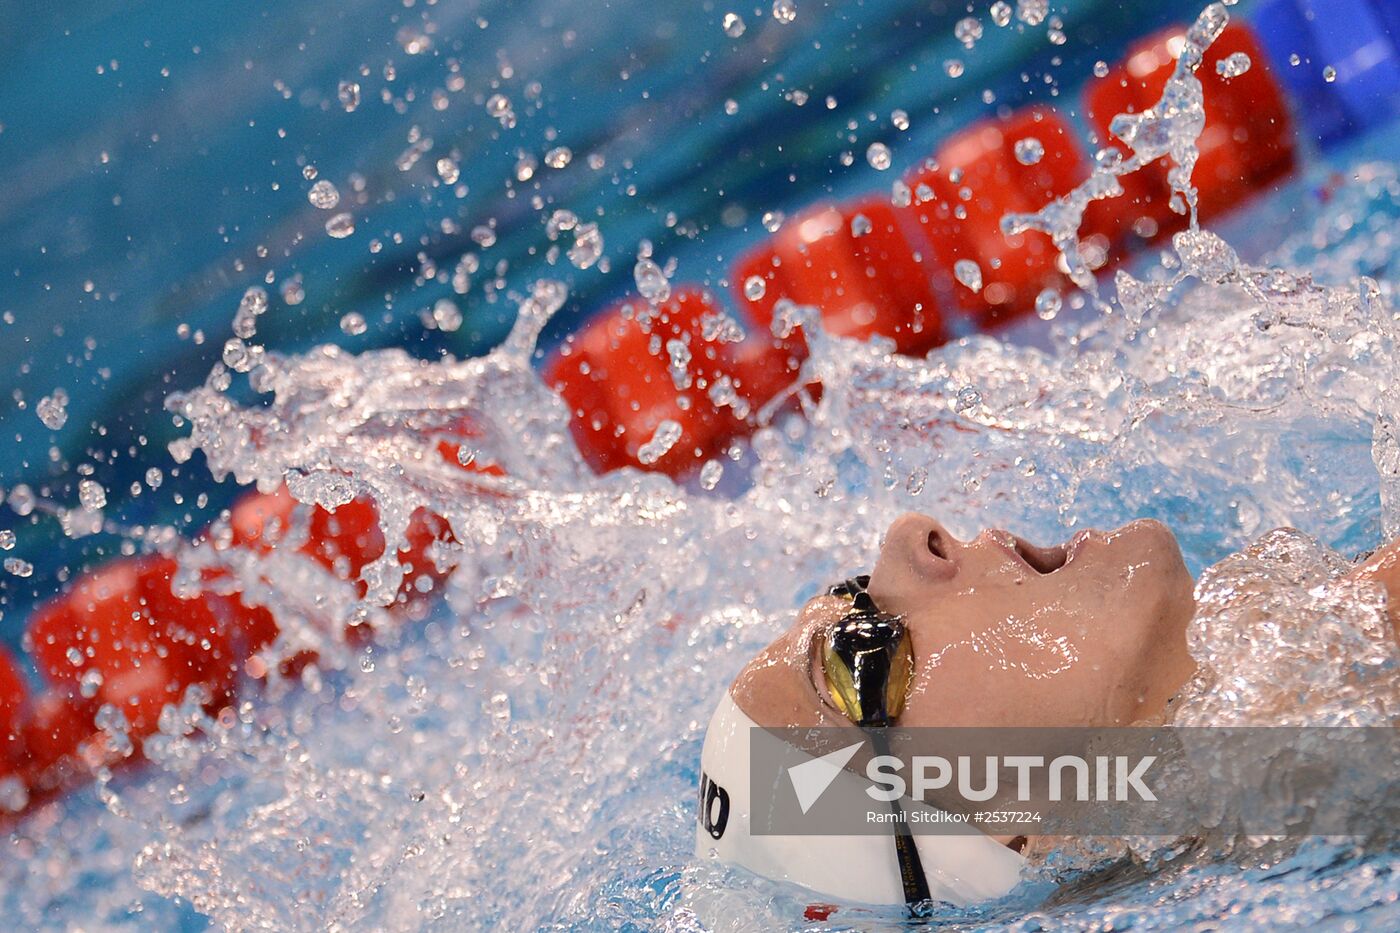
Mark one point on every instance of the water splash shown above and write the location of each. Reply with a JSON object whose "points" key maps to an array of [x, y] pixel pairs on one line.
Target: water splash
{"points": [[1169, 128]]}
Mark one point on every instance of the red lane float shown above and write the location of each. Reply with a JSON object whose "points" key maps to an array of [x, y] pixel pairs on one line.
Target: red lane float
{"points": [[342, 540], [14, 700], [858, 264], [55, 728], [1247, 141], [974, 179], [870, 271], [617, 377], [121, 636]]}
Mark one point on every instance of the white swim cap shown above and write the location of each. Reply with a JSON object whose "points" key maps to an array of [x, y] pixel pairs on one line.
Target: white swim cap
{"points": [[960, 869]]}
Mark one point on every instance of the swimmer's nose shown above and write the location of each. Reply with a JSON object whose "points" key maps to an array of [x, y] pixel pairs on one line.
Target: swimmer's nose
{"points": [[914, 531], [868, 663]]}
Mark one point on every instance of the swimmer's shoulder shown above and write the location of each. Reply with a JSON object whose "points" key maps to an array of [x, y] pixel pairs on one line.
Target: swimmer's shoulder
{"points": [[1383, 567]]}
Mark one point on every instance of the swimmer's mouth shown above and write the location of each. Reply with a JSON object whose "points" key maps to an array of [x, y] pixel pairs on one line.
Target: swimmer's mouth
{"points": [[1042, 560]]}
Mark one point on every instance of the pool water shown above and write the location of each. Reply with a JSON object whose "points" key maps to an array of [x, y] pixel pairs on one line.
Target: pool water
{"points": [[525, 754]]}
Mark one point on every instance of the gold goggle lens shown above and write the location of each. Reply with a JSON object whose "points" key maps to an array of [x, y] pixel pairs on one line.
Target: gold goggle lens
{"points": [[868, 662]]}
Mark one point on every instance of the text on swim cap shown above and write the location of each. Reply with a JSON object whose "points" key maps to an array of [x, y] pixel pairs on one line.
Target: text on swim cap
{"points": [[714, 806]]}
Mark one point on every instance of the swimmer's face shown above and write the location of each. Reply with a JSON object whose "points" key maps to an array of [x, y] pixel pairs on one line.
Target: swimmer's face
{"points": [[1088, 633]]}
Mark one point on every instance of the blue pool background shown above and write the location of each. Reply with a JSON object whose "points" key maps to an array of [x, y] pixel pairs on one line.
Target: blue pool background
{"points": [[152, 157]]}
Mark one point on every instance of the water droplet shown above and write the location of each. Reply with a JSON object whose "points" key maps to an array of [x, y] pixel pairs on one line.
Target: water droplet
{"points": [[446, 316], [561, 221], [1047, 304], [900, 119], [1101, 69], [349, 95], [968, 31], [154, 477], [861, 225], [1001, 13], [498, 708], [308, 172], [413, 41], [53, 410], [341, 226], [293, 291], [678, 358], [1032, 12], [14, 795], [734, 25], [250, 307], [323, 195], [784, 11], [915, 483], [483, 235], [652, 283], [353, 324], [878, 155], [731, 107], [448, 171], [20, 568], [710, 474], [588, 246], [7, 539], [772, 220], [755, 288], [968, 273], [558, 157], [1029, 151], [1232, 66], [968, 399], [92, 495], [22, 500], [90, 682], [667, 434], [498, 105], [953, 68], [1329, 74]]}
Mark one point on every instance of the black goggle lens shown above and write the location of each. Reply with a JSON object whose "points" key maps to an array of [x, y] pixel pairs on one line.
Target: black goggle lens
{"points": [[867, 658]]}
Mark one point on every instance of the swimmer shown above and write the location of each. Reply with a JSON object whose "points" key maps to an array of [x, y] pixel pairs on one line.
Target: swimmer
{"points": [[984, 633]]}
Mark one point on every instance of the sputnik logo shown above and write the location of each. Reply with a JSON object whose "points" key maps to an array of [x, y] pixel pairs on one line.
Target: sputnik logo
{"points": [[811, 778]]}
